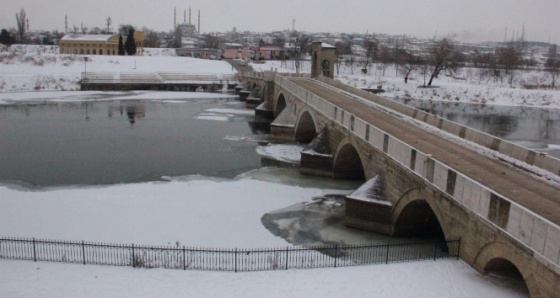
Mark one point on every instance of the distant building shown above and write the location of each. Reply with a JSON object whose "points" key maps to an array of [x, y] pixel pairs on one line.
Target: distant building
{"points": [[268, 53], [212, 54], [236, 51], [188, 29], [97, 44]]}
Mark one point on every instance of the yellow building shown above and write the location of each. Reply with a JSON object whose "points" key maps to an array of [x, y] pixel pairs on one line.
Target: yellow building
{"points": [[97, 44]]}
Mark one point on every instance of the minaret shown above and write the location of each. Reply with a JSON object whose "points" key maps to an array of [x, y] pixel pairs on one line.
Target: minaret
{"points": [[66, 24], [189, 15], [175, 18], [198, 22], [185, 16]]}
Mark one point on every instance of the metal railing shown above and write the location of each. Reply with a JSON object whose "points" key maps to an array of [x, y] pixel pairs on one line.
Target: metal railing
{"points": [[156, 77], [182, 257]]}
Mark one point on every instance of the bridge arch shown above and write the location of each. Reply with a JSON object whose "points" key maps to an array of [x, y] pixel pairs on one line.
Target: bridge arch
{"points": [[280, 105], [501, 259], [305, 129], [415, 214], [347, 162]]}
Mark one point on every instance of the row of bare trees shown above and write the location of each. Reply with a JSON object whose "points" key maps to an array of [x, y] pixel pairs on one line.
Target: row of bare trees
{"points": [[442, 55]]}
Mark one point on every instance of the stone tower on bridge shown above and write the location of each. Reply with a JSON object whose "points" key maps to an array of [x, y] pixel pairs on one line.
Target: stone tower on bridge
{"points": [[323, 58]]}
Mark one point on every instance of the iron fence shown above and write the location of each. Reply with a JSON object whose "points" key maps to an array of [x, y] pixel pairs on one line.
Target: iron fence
{"points": [[182, 257]]}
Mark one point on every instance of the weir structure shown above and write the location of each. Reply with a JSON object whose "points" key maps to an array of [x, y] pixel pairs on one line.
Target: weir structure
{"points": [[433, 177]]}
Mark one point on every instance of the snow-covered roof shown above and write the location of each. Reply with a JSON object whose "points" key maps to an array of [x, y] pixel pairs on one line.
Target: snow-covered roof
{"points": [[87, 37], [325, 45]]}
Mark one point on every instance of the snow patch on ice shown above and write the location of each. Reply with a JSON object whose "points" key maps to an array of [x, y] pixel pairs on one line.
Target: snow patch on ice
{"points": [[289, 153]]}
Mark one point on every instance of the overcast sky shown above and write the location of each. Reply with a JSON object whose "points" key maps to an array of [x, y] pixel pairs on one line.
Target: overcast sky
{"points": [[466, 20]]}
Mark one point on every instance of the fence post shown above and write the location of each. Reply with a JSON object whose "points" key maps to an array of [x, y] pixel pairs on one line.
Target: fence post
{"points": [[83, 252], [458, 248], [435, 250], [236, 260], [34, 251], [335, 254], [387, 255], [184, 259], [287, 256], [132, 255]]}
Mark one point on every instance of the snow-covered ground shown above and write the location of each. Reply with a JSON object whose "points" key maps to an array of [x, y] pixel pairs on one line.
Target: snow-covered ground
{"points": [[467, 86], [194, 210], [443, 278], [201, 211], [41, 68]]}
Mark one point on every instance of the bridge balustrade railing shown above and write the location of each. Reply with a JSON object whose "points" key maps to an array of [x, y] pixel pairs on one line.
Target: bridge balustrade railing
{"points": [[182, 257], [157, 77], [510, 149]]}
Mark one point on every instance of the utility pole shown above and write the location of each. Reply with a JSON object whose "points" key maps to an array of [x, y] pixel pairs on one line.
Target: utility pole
{"points": [[85, 68]]}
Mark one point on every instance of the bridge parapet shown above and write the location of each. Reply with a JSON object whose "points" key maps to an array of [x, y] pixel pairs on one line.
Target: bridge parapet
{"points": [[536, 233], [517, 152]]}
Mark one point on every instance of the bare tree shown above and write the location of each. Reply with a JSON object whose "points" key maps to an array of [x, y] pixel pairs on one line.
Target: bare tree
{"points": [[108, 24], [384, 57], [177, 38], [21, 19], [509, 58], [372, 49], [212, 42], [301, 47], [398, 56], [441, 57], [553, 64], [341, 48], [152, 39], [6, 38], [485, 62], [408, 64]]}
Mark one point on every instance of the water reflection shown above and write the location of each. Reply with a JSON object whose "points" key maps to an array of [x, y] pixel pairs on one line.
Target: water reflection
{"points": [[51, 144], [534, 128], [134, 111]]}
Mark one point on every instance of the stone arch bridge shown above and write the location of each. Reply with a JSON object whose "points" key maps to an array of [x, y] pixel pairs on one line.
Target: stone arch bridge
{"points": [[432, 176]]}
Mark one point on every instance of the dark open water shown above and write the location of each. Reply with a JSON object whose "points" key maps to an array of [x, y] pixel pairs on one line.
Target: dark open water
{"points": [[534, 128], [85, 143]]}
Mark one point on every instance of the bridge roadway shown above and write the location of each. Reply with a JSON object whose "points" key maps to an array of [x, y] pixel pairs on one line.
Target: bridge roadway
{"points": [[514, 184]]}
